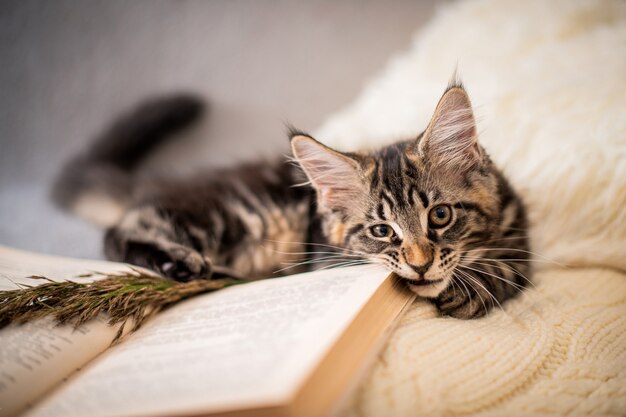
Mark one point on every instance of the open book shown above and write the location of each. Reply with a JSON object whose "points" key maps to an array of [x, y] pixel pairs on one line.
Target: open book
{"points": [[290, 346]]}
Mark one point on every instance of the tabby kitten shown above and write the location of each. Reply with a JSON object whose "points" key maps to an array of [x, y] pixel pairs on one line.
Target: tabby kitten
{"points": [[433, 209]]}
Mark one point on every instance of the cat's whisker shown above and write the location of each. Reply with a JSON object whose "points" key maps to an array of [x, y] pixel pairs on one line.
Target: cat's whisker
{"points": [[474, 258], [493, 297], [484, 288], [498, 263], [514, 250], [315, 261], [330, 257], [482, 300], [310, 253], [345, 264], [516, 272], [454, 285], [378, 261], [502, 249], [308, 256], [480, 271], [469, 295], [502, 265], [477, 281], [297, 264], [327, 258], [326, 245]]}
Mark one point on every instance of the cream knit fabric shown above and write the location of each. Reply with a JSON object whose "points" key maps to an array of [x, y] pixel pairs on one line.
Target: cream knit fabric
{"points": [[547, 80], [558, 350]]}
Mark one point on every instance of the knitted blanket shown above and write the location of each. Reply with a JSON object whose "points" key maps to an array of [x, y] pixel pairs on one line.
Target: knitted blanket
{"points": [[547, 83]]}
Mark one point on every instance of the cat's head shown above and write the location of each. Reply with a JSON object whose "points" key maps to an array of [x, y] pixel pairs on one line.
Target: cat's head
{"points": [[413, 206]]}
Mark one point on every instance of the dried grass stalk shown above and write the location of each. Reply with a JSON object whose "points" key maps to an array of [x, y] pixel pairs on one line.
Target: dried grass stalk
{"points": [[122, 297]]}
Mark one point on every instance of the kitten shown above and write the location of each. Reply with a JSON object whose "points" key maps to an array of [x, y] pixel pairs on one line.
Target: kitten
{"points": [[433, 209]]}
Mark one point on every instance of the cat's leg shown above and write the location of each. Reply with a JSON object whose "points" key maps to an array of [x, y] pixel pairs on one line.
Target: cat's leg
{"points": [[228, 239], [248, 222], [148, 238]]}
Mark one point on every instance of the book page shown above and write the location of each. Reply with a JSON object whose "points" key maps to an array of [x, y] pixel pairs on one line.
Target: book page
{"points": [[16, 266], [37, 356], [244, 346]]}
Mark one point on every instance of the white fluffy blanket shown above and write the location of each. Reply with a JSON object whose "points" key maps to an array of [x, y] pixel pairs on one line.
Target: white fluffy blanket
{"points": [[547, 80]]}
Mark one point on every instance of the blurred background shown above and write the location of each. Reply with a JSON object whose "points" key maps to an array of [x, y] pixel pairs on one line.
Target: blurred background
{"points": [[70, 66]]}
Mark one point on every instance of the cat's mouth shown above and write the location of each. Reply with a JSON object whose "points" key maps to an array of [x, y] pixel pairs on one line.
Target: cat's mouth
{"points": [[422, 282]]}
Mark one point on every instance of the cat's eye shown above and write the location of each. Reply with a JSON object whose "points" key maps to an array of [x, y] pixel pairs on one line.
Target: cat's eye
{"points": [[440, 216], [382, 230]]}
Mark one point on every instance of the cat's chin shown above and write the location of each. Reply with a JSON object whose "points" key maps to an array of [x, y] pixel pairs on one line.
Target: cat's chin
{"points": [[428, 288]]}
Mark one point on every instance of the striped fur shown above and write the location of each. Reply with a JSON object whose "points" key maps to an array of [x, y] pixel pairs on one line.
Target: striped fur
{"points": [[331, 208], [477, 261]]}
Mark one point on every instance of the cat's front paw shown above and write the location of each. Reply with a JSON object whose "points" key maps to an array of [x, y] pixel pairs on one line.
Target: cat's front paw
{"points": [[183, 265], [171, 259], [462, 305]]}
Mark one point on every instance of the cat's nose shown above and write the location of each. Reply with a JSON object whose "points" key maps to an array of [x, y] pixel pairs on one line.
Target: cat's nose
{"points": [[419, 257], [421, 269]]}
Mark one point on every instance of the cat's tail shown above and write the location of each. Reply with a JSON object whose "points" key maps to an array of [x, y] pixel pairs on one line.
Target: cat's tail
{"points": [[98, 183]]}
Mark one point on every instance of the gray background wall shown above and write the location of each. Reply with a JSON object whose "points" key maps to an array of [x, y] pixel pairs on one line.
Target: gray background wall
{"points": [[67, 67]]}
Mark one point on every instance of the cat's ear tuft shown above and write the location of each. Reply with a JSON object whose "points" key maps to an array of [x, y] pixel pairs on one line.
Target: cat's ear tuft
{"points": [[293, 131], [335, 176], [451, 137]]}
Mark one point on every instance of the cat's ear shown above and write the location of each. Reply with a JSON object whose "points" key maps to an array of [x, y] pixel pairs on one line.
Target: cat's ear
{"points": [[450, 139], [335, 176]]}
